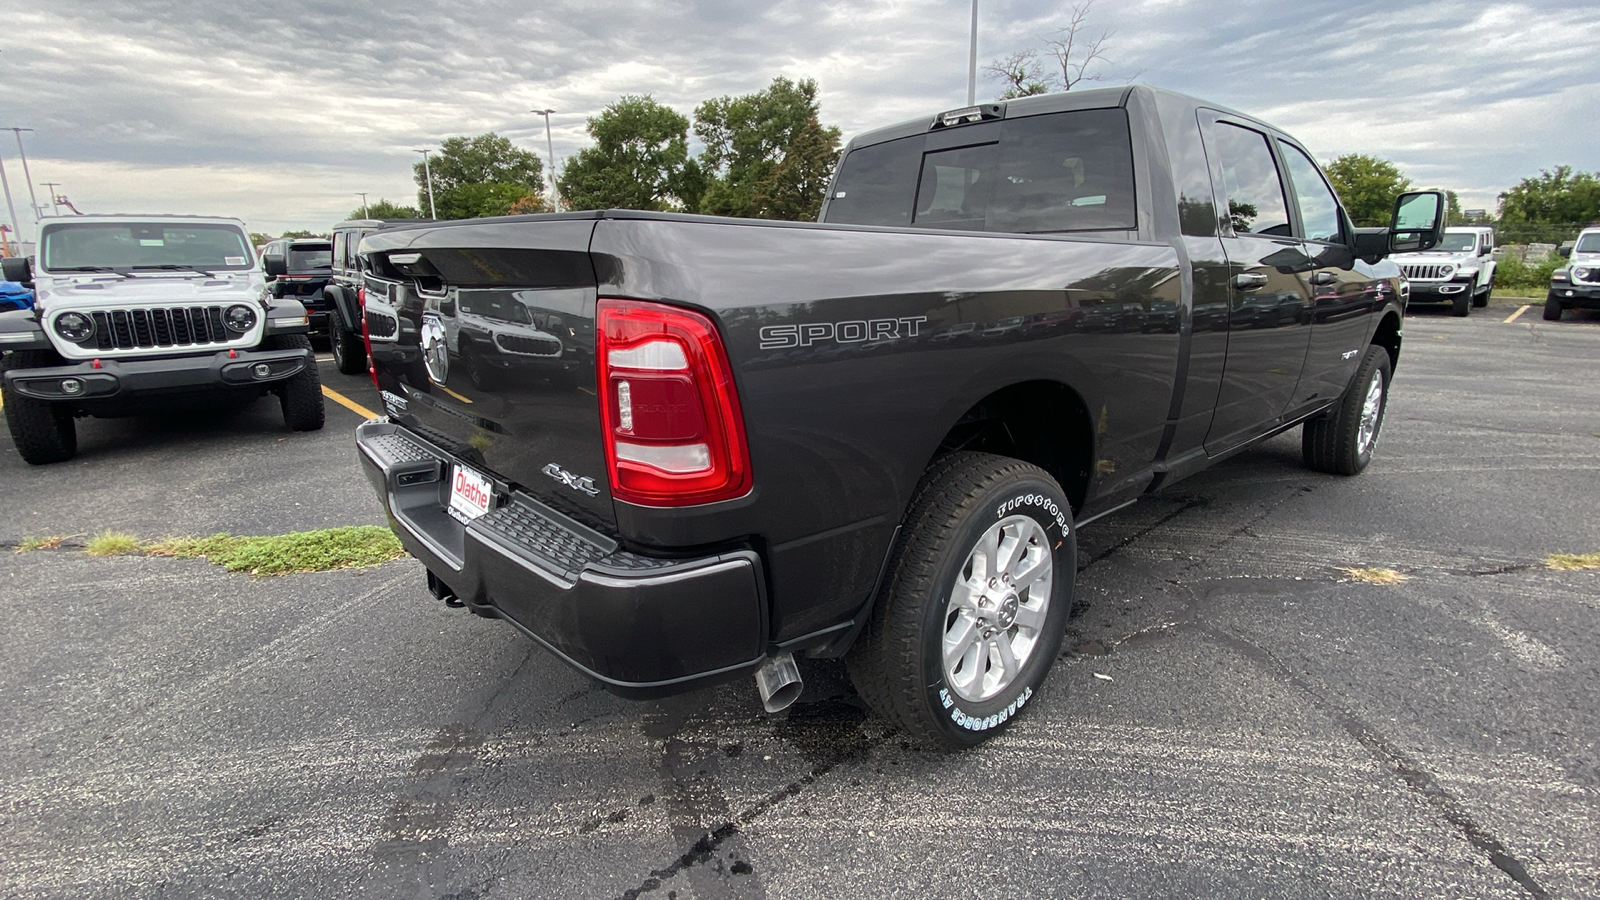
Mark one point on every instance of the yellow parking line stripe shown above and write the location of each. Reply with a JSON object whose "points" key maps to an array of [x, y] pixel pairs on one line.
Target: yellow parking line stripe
{"points": [[454, 394], [347, 403], [1513, 316]]}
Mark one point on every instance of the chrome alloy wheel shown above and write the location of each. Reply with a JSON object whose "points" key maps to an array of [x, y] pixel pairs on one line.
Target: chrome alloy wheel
{"points": [[1367, 432], [997, 608]]}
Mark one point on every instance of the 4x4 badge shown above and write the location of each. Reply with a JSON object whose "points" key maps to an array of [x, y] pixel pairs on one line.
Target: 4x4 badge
{"points": [[577, 483]]}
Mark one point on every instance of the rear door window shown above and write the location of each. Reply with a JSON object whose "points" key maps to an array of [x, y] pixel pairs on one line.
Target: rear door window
{"points": [[1250, 180]]}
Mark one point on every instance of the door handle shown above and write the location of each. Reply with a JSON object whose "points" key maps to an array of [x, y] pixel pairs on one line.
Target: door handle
{"points": [[1245, 281], [1323, 277]]}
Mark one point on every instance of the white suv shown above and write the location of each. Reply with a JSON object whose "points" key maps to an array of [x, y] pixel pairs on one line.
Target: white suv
{"points": [[133, 313], [1460, 271], [1576, 285]]}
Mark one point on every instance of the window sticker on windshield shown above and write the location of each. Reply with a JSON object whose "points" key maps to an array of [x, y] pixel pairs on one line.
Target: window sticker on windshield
{"points": [[233, 260], [152, 242]]}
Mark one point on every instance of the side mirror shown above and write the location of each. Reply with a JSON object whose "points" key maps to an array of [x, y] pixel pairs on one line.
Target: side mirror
{"points": [[275, 265], [17, 268], [1565, 250], [1418, 221], [447, 307]]}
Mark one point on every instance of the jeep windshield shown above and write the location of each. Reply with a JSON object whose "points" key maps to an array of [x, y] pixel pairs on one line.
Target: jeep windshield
{"points": [[1458, 243], [309, 256], [1588, 243], [123, 247]]}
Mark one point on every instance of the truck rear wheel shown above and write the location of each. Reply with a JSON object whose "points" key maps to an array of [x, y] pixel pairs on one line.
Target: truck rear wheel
{"points": [[976, 600], [1341, 441], [43, 432], [300, 394]]}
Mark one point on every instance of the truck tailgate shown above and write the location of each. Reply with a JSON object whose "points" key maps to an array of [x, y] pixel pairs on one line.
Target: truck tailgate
{"points": [[488, 351]]}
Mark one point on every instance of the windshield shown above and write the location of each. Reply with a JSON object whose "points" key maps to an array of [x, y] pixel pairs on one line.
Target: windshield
{"points": [[1588, 243], [1458, 243], [152, 246], [1068, 171], [310, 256]]}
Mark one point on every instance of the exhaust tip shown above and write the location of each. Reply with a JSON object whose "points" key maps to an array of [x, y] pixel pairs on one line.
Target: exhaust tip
{"points": [[778, 681]]}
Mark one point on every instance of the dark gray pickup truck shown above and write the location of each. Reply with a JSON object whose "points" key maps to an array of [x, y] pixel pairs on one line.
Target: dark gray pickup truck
{"points": [[674, 449]]}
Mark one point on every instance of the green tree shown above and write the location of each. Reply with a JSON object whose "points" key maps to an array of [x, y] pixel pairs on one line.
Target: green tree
{"points": [[384, 209], [767, 155], [478, 176], [640, 160], [1021, 72], [1368, 186], [302, 233], [1561, 197]]}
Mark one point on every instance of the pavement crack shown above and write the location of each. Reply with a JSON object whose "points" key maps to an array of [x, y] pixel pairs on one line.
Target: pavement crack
{"points": [[1416, 778], [1188, 505]]}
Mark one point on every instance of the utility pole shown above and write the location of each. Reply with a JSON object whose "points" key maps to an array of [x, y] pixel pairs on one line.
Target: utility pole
{"points": [[427, 175], [549, 149], [16, 230], [33, 199], [55, 202], [363, 195], [972, 59]]}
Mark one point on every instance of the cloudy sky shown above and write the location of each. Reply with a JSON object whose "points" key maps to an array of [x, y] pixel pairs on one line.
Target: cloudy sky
{"points": [[280, 112]]}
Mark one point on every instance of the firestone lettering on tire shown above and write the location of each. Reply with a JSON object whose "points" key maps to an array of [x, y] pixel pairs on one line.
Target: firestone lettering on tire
{"points": [[988, 722], [1036, 500]]}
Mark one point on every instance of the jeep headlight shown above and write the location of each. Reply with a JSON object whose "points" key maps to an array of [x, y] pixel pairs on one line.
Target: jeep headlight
{"points": [[75, 327], [1582, 273], [239, 318]]}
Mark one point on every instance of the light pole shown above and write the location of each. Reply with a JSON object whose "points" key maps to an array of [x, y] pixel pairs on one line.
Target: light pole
{"points": [[16, 230], [363, 196], [33, 199], [427, 175], [550, 152], [972, 59], [55, 204]]}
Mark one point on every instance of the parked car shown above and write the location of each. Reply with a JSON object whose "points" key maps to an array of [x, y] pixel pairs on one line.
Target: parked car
{"points": [[1460, 271], [1577, 284], [342, 290], [739, 475], [308, 264], [14, 295], [136, 313]]}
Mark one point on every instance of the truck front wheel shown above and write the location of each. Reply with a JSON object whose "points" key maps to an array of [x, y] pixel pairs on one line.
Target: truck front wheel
{"points": [[976, 600], [43, 432], [1341, 441], [1552, 309], [300, 394]]}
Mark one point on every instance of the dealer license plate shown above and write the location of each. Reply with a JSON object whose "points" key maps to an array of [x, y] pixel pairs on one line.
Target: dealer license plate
{"points": [[471, 494]]}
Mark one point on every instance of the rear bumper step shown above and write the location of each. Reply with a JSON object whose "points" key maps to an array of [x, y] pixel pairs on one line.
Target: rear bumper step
{"points": [[640, 625]]}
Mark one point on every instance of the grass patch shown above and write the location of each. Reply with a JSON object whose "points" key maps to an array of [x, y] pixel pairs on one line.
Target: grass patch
{"points": [[1571, 561], [1375, 575], [282, 554], [41, 543], [112, 543]]}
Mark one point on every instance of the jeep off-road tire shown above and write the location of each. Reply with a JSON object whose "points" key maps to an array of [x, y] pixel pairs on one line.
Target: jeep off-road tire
{"points": [[1552, 309], [349, 350], [971, 615], [1461, 305], [1341, 441], [43, 432], [1481, 299], [479, 373], [301, 393]]}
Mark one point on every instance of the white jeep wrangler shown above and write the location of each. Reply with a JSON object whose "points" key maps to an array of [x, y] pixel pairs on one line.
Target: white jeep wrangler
{"points": [[1576, 285], [135, 313], [1460, 271]]}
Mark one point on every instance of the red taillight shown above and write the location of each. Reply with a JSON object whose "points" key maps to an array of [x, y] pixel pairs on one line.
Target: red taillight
{"points": [[674, 433]]}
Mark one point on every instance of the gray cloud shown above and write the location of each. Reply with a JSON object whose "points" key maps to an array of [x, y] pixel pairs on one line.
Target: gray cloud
{"points": [[279, 112]]}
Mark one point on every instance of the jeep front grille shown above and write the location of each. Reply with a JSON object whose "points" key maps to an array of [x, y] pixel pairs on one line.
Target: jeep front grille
{"points": [[1426, 271], [381, 326], [157, 327], [528, 346]]}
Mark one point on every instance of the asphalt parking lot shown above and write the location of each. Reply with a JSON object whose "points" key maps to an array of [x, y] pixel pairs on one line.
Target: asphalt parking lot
{"points": [[1234, 716]]}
